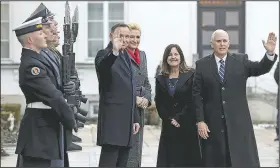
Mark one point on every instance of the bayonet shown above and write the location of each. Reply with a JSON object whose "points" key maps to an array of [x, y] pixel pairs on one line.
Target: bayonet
{"points": [[75, 24], [67, 19], [75, 18], [70, 29]]}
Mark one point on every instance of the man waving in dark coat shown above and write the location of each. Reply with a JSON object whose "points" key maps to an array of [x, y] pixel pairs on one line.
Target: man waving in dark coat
{"points": [[117, 120], [219, 92]]}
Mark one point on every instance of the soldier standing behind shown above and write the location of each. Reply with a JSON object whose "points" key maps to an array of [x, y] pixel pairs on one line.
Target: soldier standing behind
{"points": [[38, 141]]}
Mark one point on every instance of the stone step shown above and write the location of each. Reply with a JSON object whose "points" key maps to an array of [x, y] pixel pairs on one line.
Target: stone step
{"points": [[89, 156]]}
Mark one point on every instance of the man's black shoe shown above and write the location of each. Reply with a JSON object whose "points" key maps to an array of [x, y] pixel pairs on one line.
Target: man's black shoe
{"points": [[276, 139], [74, 147], [76, 139]]}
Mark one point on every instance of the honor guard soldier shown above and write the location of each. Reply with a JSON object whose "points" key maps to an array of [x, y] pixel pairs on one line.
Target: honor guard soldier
{"points": [[46, 108], [53, 56]]}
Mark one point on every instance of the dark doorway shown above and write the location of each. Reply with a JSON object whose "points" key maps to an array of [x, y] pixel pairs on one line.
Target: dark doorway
{"points": [[226, 15]]}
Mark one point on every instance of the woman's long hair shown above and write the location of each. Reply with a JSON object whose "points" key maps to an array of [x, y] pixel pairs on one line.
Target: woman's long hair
{"points": [[165, 67]]}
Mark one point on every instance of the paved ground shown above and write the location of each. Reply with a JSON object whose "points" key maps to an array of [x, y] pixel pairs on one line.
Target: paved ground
{"points": [[89, 156]]}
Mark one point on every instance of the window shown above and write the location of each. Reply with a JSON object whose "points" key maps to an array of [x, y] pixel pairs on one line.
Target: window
{"points": [[5, 30], [116, 14], [101, 17]]}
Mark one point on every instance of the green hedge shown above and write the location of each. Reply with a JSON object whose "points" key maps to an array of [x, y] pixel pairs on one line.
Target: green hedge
{"points": [[11, 108]]}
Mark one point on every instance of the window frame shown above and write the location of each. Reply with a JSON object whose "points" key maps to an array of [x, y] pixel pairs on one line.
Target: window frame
{"points": [[106, 22], [7, 59]]}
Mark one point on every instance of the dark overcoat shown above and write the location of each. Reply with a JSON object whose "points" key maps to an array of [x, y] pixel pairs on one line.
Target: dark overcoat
{"points": [[143, 89], [39, 128], [276, 77], [224, 108], [117, 94], [178, 147]]}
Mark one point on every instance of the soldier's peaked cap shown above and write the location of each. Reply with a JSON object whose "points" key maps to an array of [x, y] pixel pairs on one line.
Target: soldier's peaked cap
{"points": [[29, 27], [41, 11]]}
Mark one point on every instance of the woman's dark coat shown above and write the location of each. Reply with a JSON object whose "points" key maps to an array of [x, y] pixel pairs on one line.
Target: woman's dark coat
{"points": [[177, 146]]}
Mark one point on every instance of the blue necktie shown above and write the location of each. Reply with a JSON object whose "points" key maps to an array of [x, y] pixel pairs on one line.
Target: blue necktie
{"points": [[222, 70]]}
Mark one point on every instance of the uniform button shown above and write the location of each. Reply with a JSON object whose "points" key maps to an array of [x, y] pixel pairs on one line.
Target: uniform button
{"points": [[223, 116], [222, 131], [223, 88], [224, 102], [175, 104]]}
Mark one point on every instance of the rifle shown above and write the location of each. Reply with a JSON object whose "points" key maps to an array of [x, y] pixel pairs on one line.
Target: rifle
{"points": [[68, 67]]}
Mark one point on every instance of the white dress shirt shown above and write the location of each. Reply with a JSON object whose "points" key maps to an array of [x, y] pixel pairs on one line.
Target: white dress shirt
{"points": [[116, 53]]}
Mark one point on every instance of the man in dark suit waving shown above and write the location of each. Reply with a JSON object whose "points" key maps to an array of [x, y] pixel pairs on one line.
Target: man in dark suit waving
{"points": [[117, 121], [219, 92]]}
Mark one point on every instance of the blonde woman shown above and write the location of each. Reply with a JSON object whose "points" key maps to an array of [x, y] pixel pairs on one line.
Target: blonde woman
{"points": [[143, 88]]}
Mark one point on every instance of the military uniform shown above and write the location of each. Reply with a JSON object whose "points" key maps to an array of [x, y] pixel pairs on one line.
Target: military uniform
{"points": [[38, 140], [54, 62]]}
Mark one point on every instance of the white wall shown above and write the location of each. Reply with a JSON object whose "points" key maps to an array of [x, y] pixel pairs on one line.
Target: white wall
{"points": [[163, 23], [261, 18], [9, 82], [89, 82]]}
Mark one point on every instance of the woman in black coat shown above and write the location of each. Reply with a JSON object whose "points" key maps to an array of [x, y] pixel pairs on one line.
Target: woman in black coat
{"points": [[179, 145]]}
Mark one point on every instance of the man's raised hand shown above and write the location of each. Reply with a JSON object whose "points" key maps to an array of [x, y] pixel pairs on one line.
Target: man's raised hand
{"points": [[270, 43], [117, 41]]}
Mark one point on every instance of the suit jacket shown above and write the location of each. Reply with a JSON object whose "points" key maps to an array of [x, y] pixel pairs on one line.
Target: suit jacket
{"points": [[276, 77], [117, 93], [39, 128], [224, 108]]}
